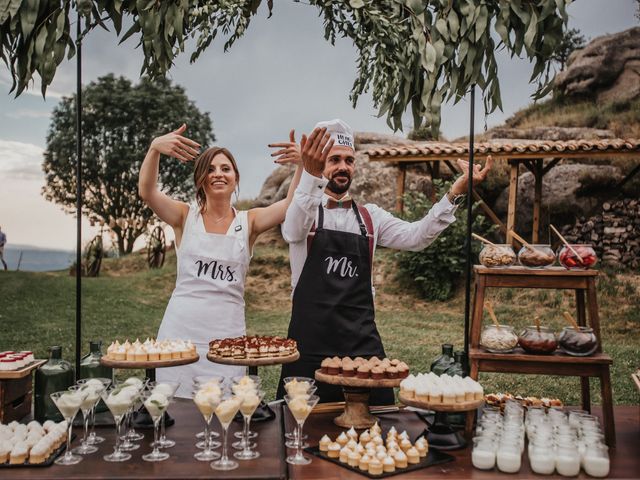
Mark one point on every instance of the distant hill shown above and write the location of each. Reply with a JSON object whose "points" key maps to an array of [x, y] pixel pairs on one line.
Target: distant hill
{"points": [[37, 259]]}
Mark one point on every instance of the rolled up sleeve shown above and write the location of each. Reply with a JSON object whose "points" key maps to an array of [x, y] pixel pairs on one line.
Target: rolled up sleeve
{"points": [[302, 210]]}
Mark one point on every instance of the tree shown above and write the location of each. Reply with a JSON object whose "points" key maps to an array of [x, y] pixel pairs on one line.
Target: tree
{"points": [[571, 40], [119, 122], [412, 53]]}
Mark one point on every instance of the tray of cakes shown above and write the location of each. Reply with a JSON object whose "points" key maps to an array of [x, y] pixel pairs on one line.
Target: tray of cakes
{"points": [[17, 364], [150, 354], [361, 372], [253, 350], [499, 400], [443, 393], [33, 444], [376, 455]]}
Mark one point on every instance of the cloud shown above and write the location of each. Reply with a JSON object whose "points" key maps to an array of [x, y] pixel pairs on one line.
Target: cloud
{"points": [[20, 160], [33, 88], [28, 113]]}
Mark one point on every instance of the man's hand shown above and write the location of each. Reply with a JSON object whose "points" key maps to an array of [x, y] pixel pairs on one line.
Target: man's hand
{"points": [[460, 186], [315, 151], [173, 144], [289, 151]]}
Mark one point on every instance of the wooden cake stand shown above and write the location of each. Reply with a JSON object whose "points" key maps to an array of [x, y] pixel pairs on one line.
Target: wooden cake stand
{"points": [[142, 417], [441, 435], [356, 398], [263, 412]]}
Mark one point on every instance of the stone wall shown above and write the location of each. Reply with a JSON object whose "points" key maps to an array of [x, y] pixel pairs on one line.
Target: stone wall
{"points": [[614, 233]]}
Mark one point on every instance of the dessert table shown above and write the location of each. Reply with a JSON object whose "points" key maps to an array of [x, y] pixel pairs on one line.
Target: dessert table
{"points": [[625, 463]]}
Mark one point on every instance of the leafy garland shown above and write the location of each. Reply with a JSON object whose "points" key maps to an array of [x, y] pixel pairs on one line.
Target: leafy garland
{"points": [[416, 53]]}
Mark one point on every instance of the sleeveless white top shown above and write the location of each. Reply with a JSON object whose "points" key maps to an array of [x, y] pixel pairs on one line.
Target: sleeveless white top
{"points": [[208, 300]]}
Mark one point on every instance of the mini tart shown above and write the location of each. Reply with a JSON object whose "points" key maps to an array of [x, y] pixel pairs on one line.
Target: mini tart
{"points": [[342, 439], [365, 437], [422, 446], [344, 455], [325, 441], [354, 459], [401, 459], [375, 467], [405, 445], [165, 355], [363, 464], [351, 444], [375, 429], [388, 465], [413, 456], [363, 372], [333, 450]]}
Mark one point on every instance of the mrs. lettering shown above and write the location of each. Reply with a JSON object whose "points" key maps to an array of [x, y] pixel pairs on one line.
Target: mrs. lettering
{"points": [[218, 270]]}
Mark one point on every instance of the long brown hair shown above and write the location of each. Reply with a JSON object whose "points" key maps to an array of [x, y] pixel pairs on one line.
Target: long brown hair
{"points": [[201, 171]]}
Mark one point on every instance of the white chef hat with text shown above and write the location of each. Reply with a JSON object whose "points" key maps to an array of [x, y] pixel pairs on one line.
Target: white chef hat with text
{"points": [[341, 133]]}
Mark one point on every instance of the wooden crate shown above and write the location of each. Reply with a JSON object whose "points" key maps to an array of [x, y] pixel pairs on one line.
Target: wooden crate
{"points": [[15, 398]]}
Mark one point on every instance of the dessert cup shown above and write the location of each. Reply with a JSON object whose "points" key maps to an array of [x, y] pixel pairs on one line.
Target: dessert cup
{"points": [[167, 389], [91, 398], [118, 399], [300, 407], [68, 403], [156, 404], [206, 402], [225, 411], [250, 402], [93, 438]]}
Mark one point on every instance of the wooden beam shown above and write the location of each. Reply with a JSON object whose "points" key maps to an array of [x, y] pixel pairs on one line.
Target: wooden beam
{"points": [[537, 200], [550, 165], [400, 180], [513, 194], [517, 156]]}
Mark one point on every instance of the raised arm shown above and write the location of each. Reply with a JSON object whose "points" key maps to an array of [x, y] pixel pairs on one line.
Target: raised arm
{"points": [[173, 144], [262, 219]]}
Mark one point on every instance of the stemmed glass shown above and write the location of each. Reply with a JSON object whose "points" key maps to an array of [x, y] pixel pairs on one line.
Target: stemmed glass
{"points": [[168, 389], [207, 399], [250, 402], [300, 407], [240, 384], [156, 404], [91, 393], [208, 380], [119, 399], [131, 435], [68, 402], [293, 385], [93, 438], [225, 411]]}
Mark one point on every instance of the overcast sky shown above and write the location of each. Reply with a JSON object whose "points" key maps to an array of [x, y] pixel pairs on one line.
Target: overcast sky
{"points": [[282, 74]]}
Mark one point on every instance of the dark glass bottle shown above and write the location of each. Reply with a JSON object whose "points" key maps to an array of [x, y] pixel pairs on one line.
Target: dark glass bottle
{"points": [[55, 375], [442, 362], [458, 366], [90, 366]]}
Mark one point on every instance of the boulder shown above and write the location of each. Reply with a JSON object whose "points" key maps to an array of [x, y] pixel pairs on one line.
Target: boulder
{"points": [[569, 191], [607, 69]]}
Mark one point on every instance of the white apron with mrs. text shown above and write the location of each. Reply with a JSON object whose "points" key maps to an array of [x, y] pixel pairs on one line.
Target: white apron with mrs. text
{"points": [[208, 301]]}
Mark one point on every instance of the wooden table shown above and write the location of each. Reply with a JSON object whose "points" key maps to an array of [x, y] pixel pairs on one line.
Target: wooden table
{"points": [[625, 462], [596, 365]]}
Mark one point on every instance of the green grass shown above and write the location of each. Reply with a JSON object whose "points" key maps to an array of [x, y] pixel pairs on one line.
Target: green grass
{"points": [[37, 310]]}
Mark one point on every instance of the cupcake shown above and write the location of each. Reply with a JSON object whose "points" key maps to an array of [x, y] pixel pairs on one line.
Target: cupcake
{"points": [[333, 450], [342, 439], [364, 462], [422, 446], [351, 444], [377, 440], [325, 441], [352, 434], [388, 465], [377, 373], [392, 372], [405, 445], [381, 454], [348, 370], [413, 456], [324, 366], [354, 459], [334, 367], [375, 429], [363, 372], [375, 467], [365, 437], [344, 454], [401, 459]]}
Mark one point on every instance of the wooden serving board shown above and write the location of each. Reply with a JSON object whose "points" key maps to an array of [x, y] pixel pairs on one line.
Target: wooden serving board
{"points": [[441, 407], [148, 364], [253, 362], [22, 372], [357, 382]]}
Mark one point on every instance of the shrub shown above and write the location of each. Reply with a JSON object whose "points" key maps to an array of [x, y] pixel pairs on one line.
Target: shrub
{"points": [[437, 270]]}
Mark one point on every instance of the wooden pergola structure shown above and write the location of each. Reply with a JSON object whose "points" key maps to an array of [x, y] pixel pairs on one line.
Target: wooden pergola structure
{"points": [[538, 156]]}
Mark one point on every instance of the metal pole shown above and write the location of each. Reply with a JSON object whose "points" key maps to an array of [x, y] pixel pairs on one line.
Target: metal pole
{"points": [[78, 197], [467, 290]]}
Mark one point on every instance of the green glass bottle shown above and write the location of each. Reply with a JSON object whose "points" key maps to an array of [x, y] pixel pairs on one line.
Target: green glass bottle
{"points": [[90, 367], [457, 367], [55, 375], [443, 361]]}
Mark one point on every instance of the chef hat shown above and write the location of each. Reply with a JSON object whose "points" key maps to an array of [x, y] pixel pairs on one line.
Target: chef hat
{"points": [[341, 133]]}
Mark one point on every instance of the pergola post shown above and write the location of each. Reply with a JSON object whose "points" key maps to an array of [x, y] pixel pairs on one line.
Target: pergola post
{"points": [[537, 200], [513, 194], [400, 180]]}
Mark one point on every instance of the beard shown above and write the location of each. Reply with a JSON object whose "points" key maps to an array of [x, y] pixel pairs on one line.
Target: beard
{"points": [[337, 188]]}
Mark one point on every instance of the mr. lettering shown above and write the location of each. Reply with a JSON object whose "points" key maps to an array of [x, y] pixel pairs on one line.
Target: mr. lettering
{"points": [[342, 266]]}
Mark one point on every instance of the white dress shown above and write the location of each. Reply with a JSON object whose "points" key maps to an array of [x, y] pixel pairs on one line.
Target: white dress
{"points": [[208, 301]]}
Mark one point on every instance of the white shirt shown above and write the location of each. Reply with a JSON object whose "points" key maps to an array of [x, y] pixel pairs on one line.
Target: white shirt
{"points": [[388, 230]]}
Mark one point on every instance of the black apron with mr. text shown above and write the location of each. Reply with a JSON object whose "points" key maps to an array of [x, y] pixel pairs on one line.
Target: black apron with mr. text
{"points": [[333, 312]]}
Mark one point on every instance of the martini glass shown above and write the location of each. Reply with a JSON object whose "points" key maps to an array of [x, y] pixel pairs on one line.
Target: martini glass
{"points": [[131, 435], [250, 402], [119, 399], [156, 404], [207, 399], [225, 411], [300, 407], [211, 381], [293, 385], [168, 389], [240, 384], [294, 438], [91, 397], [68, 402], [93, 438]]}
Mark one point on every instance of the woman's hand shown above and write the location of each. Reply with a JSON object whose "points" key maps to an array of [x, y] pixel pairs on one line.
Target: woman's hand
{"points": [[460, 186], [289, 151], [173, 144]]}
